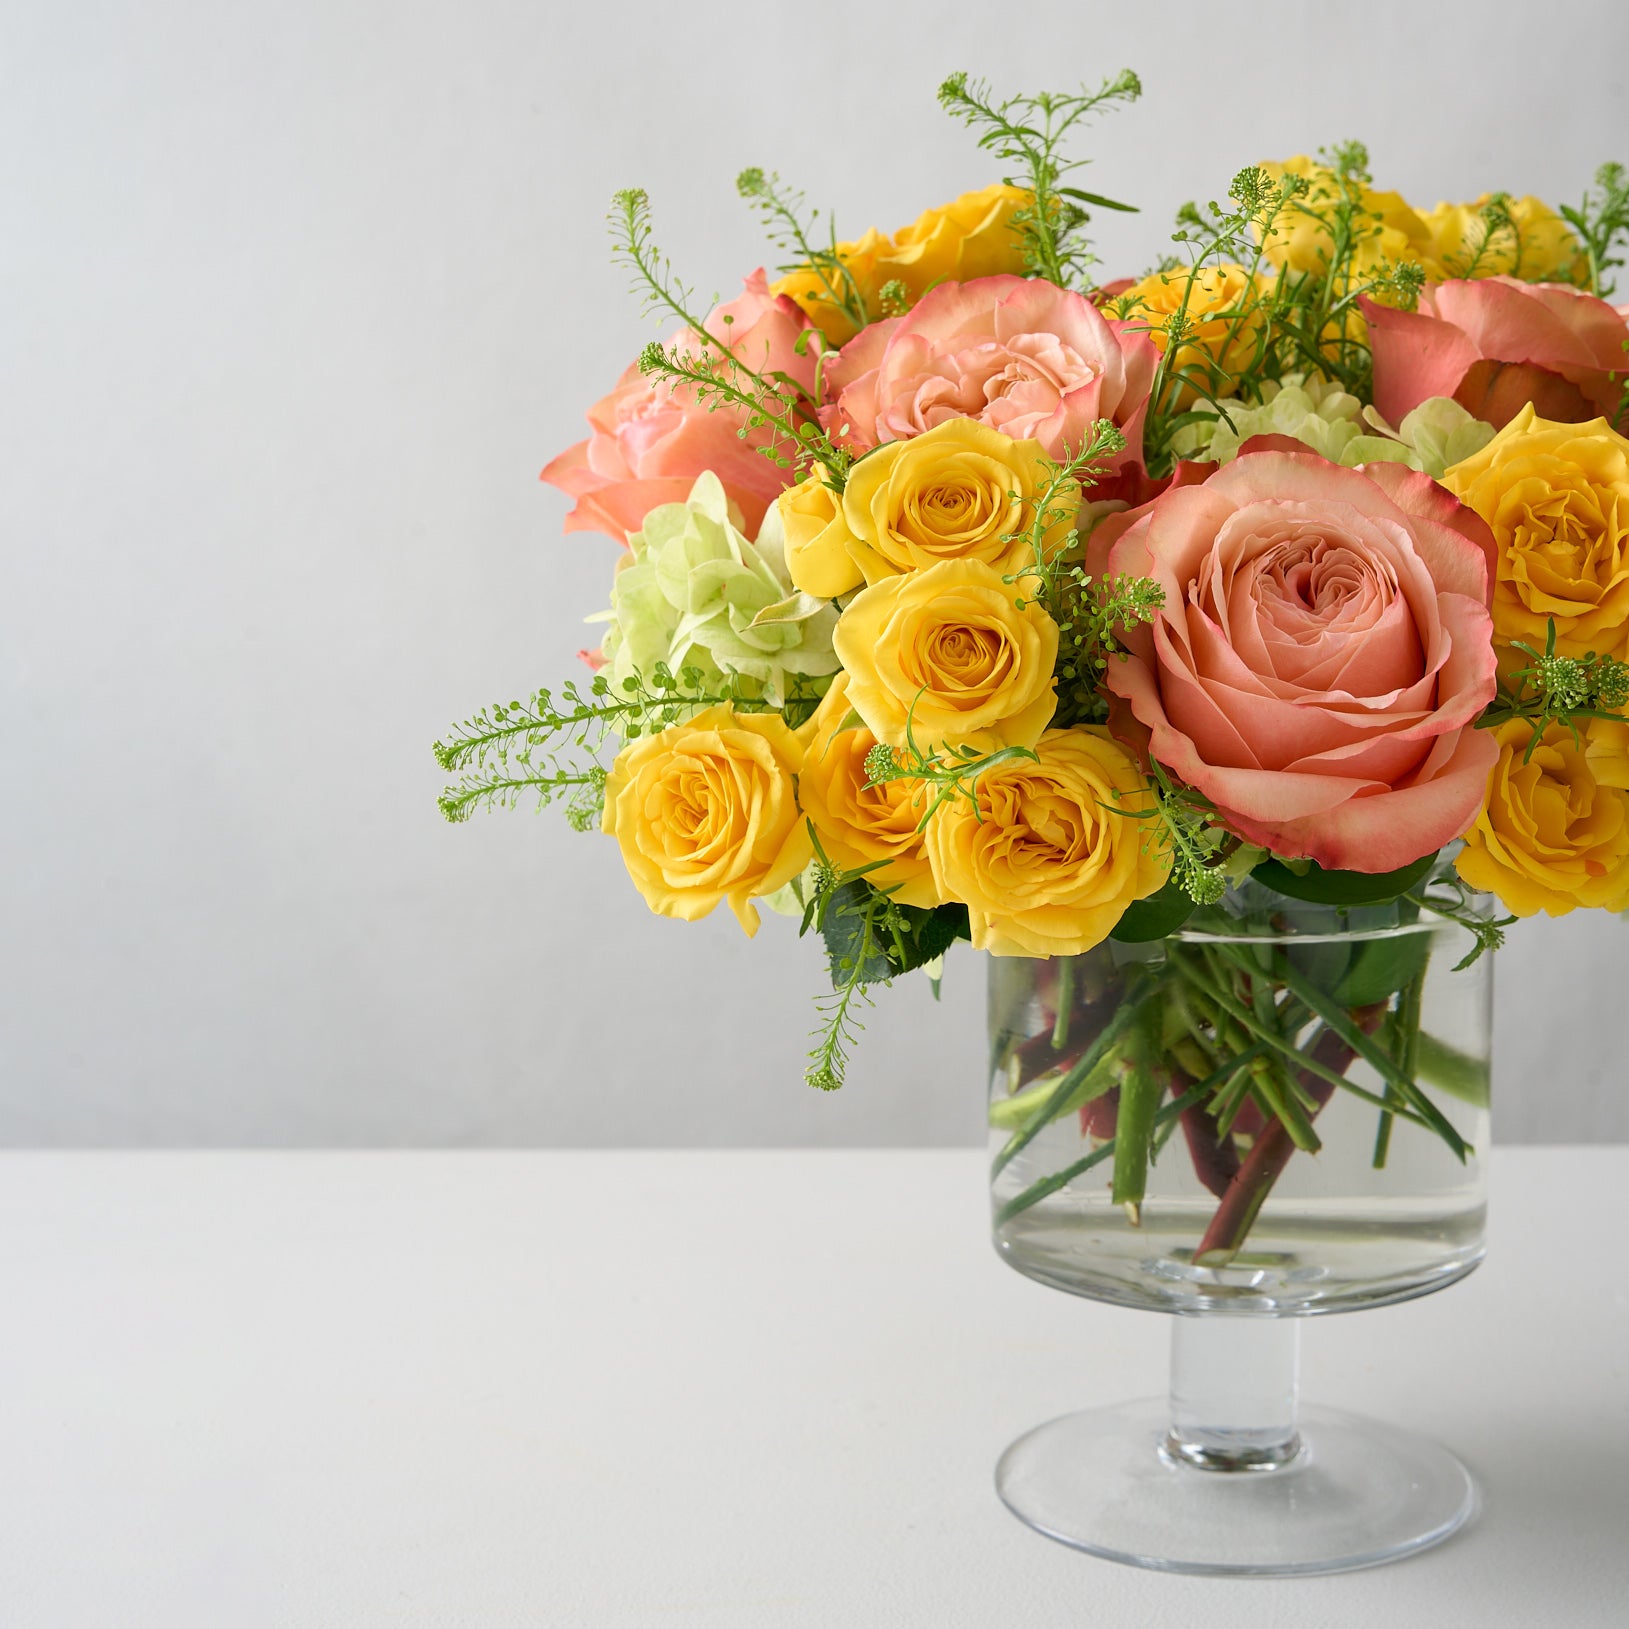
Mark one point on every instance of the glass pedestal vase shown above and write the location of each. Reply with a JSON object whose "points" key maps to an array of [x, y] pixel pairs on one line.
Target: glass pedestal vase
{"points": [[1280, 1111]]}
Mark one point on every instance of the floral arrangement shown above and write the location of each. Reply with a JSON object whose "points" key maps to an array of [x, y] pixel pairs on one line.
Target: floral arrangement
{"points": [[964, 595]]}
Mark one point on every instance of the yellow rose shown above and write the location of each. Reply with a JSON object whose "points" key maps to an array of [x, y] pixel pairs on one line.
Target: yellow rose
{"points": [[823, 305], [1552, 835], [1606, 750], [858, 823], [973, 236], [707, 811], [1386, 227], [1047, 864], [1224, 316], [1538, 245], [949, 653], [960, 491], [1557, 499], [819, 554]]}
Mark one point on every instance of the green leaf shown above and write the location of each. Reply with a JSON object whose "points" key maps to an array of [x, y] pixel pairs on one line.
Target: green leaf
{"points": [[924, 935], [1321, 887], [1381, 967], [936, 933], [843, 927], [1098, 199], [1155, 917]]}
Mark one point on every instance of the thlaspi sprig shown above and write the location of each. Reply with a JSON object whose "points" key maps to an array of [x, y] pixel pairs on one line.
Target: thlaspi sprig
{"points": [[712, 369], [1554, 689], [550, 746], [1050, 530], [1090, 616], [1183, 823], [792, 226], [1601, 221], [1447, 896], [1211, 235], [870, 939], [1495, 227], [1027, 133]]}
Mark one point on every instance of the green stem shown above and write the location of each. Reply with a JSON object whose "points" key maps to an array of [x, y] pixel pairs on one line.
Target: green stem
{"points": [[1048, 1185], [1363, 1045], [1407, 1027], [1089, 1060], [1065, 1000]]}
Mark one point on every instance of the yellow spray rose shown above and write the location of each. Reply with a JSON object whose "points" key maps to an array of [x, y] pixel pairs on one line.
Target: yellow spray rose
{"points": [[1606, 749], [960, 491], [819, 559], [1224, 318], [949, 653], [707, 811], [1387, 228], [1557, 499], [1047, 863], [1553, 835], [822, 303], [1537, 245], [973, 236], [858, 823]]}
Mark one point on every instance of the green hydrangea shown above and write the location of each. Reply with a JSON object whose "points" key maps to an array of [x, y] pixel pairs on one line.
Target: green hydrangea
{"points": [[1337, 426], [694, 593]]}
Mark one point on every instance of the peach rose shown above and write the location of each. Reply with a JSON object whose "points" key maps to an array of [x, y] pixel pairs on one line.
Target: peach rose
{"points": [[1018, 354], [1321, 658], [651, 439], [1495, 344]]}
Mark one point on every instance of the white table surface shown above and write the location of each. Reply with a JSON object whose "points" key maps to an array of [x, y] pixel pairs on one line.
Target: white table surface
{"points": [[743, 1390]]}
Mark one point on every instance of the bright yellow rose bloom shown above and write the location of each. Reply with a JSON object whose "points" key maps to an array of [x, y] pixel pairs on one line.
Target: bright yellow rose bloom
{"points": [[1224, 316], [1302, 239], [949, 653], [707, 811], [858, 823], [973, 236], [1557, 499], [1552, 836], [960, 491], [1538, 245], [1606, 750], [1047, 864], [819, 546], [821, 303]]}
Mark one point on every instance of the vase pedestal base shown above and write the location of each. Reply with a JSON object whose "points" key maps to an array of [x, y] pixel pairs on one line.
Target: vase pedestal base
{"points": [[1354, 1493]]}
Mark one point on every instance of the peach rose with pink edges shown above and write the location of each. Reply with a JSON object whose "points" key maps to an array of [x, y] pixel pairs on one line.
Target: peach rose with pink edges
{"points": [[1321, 658], [651, 439], [1495, 344], [1018, 354]]}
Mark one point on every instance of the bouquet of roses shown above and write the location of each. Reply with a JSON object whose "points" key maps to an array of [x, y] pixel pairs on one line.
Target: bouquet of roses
{"points": [[963, 595]]}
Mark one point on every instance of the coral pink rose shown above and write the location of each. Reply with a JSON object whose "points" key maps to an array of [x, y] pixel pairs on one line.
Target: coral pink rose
{"points": [[651, 439], [1495, 344], [1321, 658], [1019, 354]]}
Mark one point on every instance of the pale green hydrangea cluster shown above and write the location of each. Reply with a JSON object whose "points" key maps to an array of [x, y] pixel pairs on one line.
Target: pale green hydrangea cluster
{"points": [[694, 593], [1337, 426]]}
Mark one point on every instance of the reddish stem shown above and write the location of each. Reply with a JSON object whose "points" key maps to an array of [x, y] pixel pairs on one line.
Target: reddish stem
{"points": [[1098, 1118], [1215, 1158], [1262, 1167]]}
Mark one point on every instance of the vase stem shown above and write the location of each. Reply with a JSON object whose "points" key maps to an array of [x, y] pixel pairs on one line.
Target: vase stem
{"points": [[1234, 1385]]}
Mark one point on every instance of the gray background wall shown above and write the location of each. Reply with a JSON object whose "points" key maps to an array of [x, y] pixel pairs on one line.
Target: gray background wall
{"points": [[295, 300]]}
